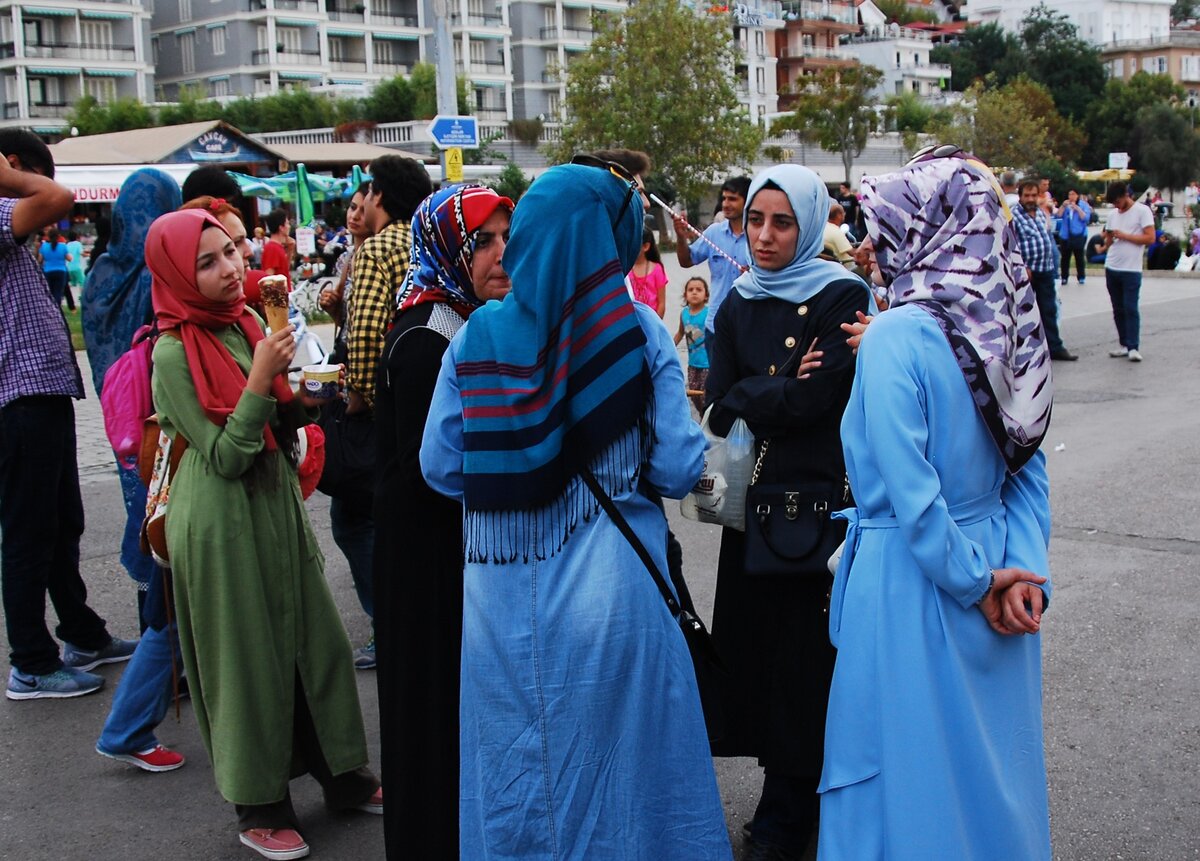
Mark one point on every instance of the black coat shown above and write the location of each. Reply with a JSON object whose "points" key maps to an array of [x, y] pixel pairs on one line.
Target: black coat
{"points": [[418, 569], [773, 631]]}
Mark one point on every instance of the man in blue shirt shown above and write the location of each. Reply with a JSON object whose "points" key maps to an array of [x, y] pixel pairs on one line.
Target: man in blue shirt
{"points": [[728, 235], [1037, 248]]}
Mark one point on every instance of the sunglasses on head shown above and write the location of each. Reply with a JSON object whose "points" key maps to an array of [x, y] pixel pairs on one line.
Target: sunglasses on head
{"points": [[927, 153], [619, 171]]}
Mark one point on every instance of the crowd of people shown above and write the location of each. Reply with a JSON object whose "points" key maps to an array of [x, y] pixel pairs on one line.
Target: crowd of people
{"points": [[516, 392]]}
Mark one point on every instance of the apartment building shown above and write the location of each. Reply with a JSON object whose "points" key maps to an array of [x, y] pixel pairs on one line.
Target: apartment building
{"points": [[755, 24], [54, 52], [811, 41], [1099, 21], [902, 53], [1178, 55]]}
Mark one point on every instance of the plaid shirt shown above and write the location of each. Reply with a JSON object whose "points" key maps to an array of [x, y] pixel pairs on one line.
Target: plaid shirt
{"points": [[35, 347], [379, 269], [1036, 245]]}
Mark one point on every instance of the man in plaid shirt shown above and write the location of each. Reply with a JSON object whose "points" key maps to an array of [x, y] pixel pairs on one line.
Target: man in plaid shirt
{"points": [[398, 185], [1037, 247]]}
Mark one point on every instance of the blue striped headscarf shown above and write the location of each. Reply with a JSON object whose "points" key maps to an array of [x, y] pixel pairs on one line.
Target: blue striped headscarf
{"points": [[556, 373]]}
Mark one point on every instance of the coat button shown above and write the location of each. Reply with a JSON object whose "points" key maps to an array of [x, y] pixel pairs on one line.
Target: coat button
{"points": [[771, 370], [802, 310], [789, 342]]}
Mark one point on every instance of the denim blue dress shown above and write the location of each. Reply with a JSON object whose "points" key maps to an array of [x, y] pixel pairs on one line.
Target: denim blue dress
{"points": [[582, 733], [933, 744]]}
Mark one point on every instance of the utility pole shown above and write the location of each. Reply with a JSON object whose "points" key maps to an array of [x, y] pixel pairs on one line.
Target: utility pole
{"points": [[443, 59]]}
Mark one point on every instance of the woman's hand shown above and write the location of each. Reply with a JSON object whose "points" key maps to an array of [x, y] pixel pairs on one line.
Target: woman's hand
{"points": [[272, 357], [856, 330], [310, 402], [809, 362], [1004, 604]]}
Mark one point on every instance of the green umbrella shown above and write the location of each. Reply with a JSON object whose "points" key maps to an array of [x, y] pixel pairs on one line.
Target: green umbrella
{"points": [[304, 197]]}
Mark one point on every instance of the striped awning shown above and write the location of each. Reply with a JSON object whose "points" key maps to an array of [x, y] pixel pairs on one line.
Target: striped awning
{"points": [[358, 34], [49, 10], [109, 73], [397, 37], [105, 16], [50, 70], [296, 22], [301, 76]]}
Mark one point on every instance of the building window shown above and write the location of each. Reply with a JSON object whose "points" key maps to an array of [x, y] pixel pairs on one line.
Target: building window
{"points": [[154, 49], [382, 51], [916, 87], [103, 90], [290, 38], [185, 10], [187, 52], [262, 85], [218, 40], [96, 34], [220, 87], [1191, 68], [554, 106]]}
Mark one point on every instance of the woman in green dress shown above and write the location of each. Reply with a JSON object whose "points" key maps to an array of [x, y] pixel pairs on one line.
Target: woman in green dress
{"points": [[266, 655]]}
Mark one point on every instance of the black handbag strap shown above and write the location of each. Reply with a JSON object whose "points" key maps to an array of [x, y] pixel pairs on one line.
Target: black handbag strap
{"points": [[614, 514]]}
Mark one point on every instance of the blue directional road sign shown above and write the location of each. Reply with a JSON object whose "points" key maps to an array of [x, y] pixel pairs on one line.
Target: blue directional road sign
{"points": [[453, 131]]}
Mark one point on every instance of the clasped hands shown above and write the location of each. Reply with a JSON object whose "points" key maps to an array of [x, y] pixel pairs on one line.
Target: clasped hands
{"points": [[1014, 603]]}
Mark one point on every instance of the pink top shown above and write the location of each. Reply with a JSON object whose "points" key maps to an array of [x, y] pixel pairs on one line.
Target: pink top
{"points": [[645, 289]]}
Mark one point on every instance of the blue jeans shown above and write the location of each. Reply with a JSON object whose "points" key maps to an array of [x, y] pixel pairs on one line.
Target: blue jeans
{"points": [[1047, 302], [354, 533], [139, 566], [142, 697], [1123, 290], [41, 521]]}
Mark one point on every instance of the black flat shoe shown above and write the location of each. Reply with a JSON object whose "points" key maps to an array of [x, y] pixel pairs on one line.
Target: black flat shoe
{"points": [[1064, 356]]}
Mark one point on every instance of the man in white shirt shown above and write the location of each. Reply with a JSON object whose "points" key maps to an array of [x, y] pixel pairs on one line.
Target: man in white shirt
{"points": [[1129, 230], [835, 243]]}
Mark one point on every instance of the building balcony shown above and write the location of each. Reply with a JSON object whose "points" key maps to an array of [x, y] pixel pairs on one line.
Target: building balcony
{"points": [[346, 16], [815, 57], [393, 20], [45, 110], [924, 70], [842, 17], [486, 67], [491, 21], [390, 69], [343, 65], [490, 114], [262, 57], [70, 51], [583, 34], [287, 6], [551, 77]]}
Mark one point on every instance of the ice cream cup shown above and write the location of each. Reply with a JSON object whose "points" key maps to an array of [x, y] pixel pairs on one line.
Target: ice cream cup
{"points": [[321, 381]]}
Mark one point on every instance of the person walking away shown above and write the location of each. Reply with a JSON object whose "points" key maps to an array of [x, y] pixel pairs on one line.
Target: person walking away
{"points": [[274, 693], [41, 509], [276, 259], [55, 257], [459, 235], [728, 235], [75, 273], [582, 731], [648, 278], [934, 745], [1037, 250], [1128, 231], [1075, 216], [691, 327]]}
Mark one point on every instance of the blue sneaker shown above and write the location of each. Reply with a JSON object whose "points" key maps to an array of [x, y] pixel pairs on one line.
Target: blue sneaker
{"points": [[67, 682], [114, 653], [364, 657]]}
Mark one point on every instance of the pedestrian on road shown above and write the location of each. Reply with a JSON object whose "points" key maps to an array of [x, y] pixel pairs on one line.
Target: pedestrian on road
{"points": [[267, 658], [54, 256], [1075, 215], [1037, 251], [459, 235], [41, 509], [1129, 231], [933, 746], [769, 626], [582, 731], [728, 235]]}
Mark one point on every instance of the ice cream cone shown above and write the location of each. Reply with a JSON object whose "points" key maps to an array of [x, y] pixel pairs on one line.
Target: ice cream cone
{"points": [[277, 318]]}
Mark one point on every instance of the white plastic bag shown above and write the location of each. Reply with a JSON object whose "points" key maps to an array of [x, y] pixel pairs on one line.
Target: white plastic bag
{"points": [[720, 494]]}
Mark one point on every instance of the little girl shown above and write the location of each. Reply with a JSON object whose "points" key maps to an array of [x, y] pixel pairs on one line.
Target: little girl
{"points": [[691, 326], [648, 278]]}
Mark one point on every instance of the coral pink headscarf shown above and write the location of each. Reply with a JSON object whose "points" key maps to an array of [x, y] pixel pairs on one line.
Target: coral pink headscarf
{"points": [[171, 247]]}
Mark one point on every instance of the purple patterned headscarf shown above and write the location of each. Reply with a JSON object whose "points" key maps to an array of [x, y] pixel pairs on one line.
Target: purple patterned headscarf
{"points": [[944, 240]]}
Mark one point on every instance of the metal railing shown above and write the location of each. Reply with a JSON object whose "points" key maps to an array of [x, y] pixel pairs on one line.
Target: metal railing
{"points": [[556, 32], [477, 20], [348, 65], [70, 51], [385, 68], [812, 10], [346, 15], [262, 57]]}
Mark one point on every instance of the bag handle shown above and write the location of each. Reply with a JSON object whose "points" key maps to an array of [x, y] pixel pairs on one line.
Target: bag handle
{"points": [[614, 514]]}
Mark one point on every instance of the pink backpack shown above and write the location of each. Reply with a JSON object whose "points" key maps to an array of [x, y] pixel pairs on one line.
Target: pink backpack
{"points": [[125, 397]]}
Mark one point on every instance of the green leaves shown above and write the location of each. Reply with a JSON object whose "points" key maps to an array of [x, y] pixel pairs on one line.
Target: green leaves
{"points": [[656, 79]]}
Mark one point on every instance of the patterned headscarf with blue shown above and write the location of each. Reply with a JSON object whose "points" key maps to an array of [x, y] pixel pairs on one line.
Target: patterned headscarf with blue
{"points": [[556, 374]]}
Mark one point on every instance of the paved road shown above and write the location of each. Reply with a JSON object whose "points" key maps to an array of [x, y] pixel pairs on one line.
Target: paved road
{"points": [[1121, 643]]}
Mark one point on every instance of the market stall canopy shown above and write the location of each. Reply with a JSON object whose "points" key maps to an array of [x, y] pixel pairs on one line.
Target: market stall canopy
{"points": [[1110, 174], [211, 142]]}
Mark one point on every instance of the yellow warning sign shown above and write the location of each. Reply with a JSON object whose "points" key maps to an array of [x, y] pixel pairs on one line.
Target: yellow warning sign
{"points": [[454, 164]]}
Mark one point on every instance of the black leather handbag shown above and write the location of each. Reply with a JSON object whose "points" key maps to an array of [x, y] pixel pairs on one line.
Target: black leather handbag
{"points": [[789, 531], [350, 453], [711, 672]]}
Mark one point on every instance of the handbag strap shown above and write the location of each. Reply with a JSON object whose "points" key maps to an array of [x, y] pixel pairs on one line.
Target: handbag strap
{"points": [[762, 453], [614, 514]]}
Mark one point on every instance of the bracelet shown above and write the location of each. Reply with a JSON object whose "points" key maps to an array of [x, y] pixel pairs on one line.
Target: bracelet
{"points": [[988, 590]]}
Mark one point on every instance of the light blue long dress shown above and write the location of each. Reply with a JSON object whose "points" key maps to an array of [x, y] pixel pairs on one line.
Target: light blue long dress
{"points": [[934, 731], [582, 733]]}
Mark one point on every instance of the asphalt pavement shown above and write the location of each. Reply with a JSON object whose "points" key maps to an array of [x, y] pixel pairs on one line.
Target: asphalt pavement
{"points": [[1121, 643]]}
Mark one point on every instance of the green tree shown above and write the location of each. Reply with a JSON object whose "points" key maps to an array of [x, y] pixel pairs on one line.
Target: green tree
{"points": [[423, 83], [1055, 56], [836, 111], [997, 127], [1110, 118], [1182, 10], [683, 113], [984, 53], [391, 101], [92, 118], [1164, 146], [900, 12], [511, 183]]}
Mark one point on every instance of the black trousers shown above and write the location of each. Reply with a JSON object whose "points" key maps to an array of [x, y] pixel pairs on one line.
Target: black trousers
{"points": [[1074, 247], [41, 521]]}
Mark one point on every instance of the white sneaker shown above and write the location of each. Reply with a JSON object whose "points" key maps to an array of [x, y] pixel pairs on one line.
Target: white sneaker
{"points": [[1119, 353], [1135, 356]]}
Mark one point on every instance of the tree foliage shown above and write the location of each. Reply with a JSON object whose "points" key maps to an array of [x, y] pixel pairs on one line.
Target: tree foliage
{"points": [[511, 183], [1164, 146], [1182, 10], [683, 112], [89, 117], [982, 54], [1055, 56], [836, 111], [996, 126], [900, 12], [1110, 120]]}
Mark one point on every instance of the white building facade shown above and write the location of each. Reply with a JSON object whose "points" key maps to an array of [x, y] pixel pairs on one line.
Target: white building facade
{"points": [[1099, 21]]}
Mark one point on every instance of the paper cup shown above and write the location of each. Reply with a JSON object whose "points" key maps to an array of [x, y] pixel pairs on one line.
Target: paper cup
{"points": [[321, 381]]}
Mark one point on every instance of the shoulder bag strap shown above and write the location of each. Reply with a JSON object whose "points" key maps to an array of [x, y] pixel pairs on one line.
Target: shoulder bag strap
{"points": [[614, 514]]}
